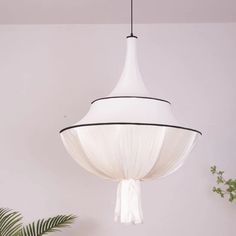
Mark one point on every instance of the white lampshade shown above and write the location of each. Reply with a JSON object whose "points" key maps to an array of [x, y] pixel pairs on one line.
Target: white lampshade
{"points": [[129, 137]]}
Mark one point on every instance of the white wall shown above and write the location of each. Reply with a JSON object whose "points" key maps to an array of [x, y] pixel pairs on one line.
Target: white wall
{"points": [[49, 74]]}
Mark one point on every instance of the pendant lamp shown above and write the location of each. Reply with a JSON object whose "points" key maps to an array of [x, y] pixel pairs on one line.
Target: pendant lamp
{"points": [[128, 137]]}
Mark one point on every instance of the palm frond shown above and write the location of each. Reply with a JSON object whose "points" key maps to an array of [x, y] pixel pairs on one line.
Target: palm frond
{"points": [[44, 226], [10, 222]]}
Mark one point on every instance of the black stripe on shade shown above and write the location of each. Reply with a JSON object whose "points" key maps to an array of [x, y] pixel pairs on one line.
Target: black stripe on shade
{"points": [[157, 99], [130, 123]]}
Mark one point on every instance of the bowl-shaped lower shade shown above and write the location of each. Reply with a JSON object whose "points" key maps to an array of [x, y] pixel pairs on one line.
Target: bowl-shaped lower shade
{"points": [[119, 151]]}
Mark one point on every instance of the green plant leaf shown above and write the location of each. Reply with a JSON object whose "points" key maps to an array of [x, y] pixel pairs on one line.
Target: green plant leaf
{"points": [[220, 173], [220, 180], [213, 170], [10, 222], [45, 226], [231, 197]]}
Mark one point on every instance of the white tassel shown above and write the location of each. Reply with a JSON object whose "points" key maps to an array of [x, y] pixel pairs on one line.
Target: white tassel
{"points": [[128, 202]]}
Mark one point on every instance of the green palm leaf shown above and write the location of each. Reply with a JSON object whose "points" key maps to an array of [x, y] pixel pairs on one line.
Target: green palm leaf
{"points": [[44, 226], [10, 222]]}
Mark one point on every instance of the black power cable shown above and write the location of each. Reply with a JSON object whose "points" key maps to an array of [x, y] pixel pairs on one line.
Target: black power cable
{"points": [[131, 21]]}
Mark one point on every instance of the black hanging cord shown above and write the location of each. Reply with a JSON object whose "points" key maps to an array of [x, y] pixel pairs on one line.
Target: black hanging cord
{"points": [[132, 16], [131, 21]]}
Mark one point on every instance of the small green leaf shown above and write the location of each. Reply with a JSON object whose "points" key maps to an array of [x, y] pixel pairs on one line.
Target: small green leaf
{"points": [[231, 197], [213, 169]]}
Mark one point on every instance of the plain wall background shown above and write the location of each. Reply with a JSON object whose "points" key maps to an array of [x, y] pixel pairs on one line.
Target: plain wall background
{"points": [[49, 74]]}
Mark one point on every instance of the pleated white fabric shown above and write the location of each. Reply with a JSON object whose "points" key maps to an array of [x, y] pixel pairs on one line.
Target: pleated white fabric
{"points": [[118, 152], [128, 153], [128, 202], [129, 139]]}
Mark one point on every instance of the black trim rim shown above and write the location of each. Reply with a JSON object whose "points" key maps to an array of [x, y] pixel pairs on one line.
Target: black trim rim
{"points": [[130, 123], [152, 98]]}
